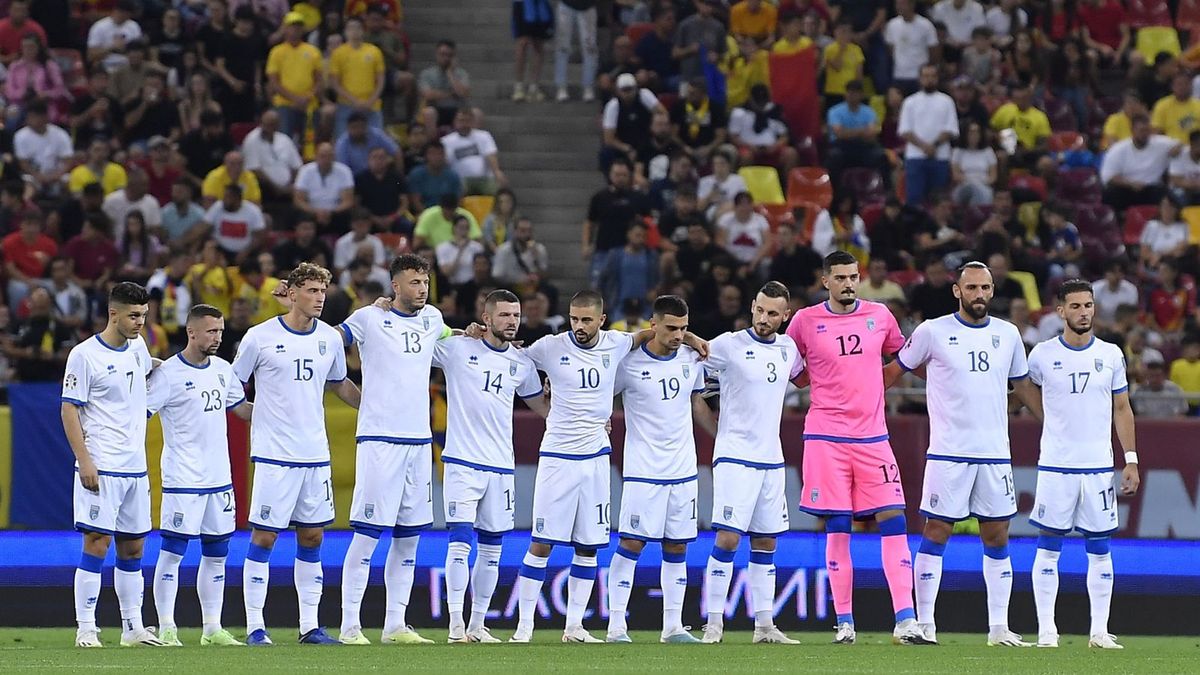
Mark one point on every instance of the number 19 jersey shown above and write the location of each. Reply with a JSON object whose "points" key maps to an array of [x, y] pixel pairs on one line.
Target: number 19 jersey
{"points": [[657, 395], [1078, 384]]}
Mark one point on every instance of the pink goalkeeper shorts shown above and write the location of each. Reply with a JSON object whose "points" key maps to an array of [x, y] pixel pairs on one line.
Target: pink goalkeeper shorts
{"points": [[850, 478]]}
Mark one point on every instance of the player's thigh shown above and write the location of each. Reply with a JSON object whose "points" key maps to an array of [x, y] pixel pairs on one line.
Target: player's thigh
{"points": [[556, 499], [828, 479], [946, 489], [314, 504], [681, 513], [643, 510], [993, 496], [220, 514], [462, 490], [133, 511], [593, 508], [1097, 514], [736, 489], [494, 512], [97, 511], [379, 470], [181, 514], [877, 484], [1056, 501], [770, 515], [416, 502], [274, 494]]}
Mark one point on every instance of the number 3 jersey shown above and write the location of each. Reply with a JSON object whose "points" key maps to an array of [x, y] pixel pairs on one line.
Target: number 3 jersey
{"points": [[967, 372], [109, 387], [191, 400], [657, 395], [1077, 384], [480, 384], [290, 370]]}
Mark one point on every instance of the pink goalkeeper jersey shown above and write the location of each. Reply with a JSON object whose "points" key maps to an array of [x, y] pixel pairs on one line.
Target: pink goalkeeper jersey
{"points": [[844, 353]]}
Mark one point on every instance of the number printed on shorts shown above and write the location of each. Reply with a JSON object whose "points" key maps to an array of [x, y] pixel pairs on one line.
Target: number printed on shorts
{"points": [[891, 474], [1008, 484], [328, 491], [508, 500], [602, 511], [228, 497], [1108, 498]]}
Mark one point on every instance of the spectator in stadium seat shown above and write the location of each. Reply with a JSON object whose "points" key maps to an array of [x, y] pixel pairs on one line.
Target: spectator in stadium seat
{"points": [[534, 312], [1133, 169], [698, 36], [933, 297], [792, 39], [472, 155], [258, 286], [1119, 125], [1170, 302], [445, 87], [673, 223], [725, 314], [877, 286], [699, 121], [236, 223], [140, 250], [1183, 173], [1005, 288], [1104, 27], [695, 257], [966, 103], [127, 79], [1177, 115], [795, 265], [430, 182], [96, 113], [435, 225], [662, 191], [840, 228], [1154, 84], [498, 224], [27, 254], [456, 256], [755, 19], [1137, 352], [973, 169], [745, 65], [43, 149], [182, 213], [1185, 370], [151, 114], [654, 158], [656, 50], [14, 28], [626, 120], [356, 73], [42, 341], [1163, 237], [746, 234], [240, 68], [169, 40], [160, 167], [294, 70], [961, 18], [1112, 291], [195, 99], [928, 122], [1158, 398], [303, 246], [914, 43], [97, 168], [621, 61], [381, 191], [69, 299], [324, 191], [34, 75], [272, 157], [1073, 78], [94, 255], [65, 221], [521, 262], [232, 171], [400, 83], [854, 136], [630, 272], [981, 61], [205, 149], [610, 212], [135, 196], [108, 37], [349, 245], [1030, 125], [758, 129], [717, 190], [843, 63], [355, 145]]}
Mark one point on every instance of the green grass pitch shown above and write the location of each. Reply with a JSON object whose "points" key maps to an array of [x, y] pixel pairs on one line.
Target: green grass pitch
{"points": [[52, 650]]}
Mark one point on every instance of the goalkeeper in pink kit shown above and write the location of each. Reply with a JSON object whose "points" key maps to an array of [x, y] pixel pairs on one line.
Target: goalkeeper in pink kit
{"points": [[849, 469]]}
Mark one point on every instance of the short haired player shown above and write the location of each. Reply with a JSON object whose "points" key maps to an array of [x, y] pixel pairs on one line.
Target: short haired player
{"points": [[191, 393], [849, 468], [293, 358], [970, 360], [104, 417], [482, 379], [754, 367], [1084, 395], [660, 385]]}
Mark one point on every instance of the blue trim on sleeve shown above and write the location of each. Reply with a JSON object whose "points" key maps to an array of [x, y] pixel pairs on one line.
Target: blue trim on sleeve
{"points": [[903, 367], [348, 337], [1058, 469], [658, 481], [477, 467], [1122, 390], [526, 398], [844, 439], [292, 465], [968, 460], [753, 465], [73, 401], [1014, 378], [236, 404], [196, 490]]}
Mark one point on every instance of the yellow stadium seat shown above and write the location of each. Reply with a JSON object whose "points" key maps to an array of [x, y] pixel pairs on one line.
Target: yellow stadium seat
{"points": [[1029, 286], [1191, 216], [479, 206], [1154, 40], [1027, 215], [879, 105], [763, 182]]}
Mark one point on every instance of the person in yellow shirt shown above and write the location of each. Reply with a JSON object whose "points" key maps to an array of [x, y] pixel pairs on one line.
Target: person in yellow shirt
{"points": [[1177, 115], [792, 38], [1185, 370], [744, 66], [210, 281], [257, 287], [294, 72], [1030, 124], [232, 170], [755, 19], [843, 62], [1119, 125], [356, 73], [97, 169]]}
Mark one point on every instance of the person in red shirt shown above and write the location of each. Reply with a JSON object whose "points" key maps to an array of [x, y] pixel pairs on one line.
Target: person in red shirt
{"points": [[14, 28], [1173, 300], [95, 255], [159, 169], [27, 253], [1104, 28]]}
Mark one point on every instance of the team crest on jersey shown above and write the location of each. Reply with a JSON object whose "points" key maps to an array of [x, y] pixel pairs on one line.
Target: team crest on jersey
{"points": [[604, 359], [369, 511], [512, 369], [634, 521], [221, 379], [816, 494], [727, 512], [933, 499], [177, 519], [265, 512], [540, 524], [686, 374], [1041, 510], [71, 381], [1099, 365], [784, 353], [425, 322], [321, 347], [138, 358], [996, 341], [451, 508], [94, 512], [870, 324]]}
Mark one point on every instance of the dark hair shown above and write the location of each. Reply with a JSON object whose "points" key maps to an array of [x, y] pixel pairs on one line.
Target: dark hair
{"points": [[128, 293], [250, 266], [359, 213], [1073, 286], [210, 118], [670, 305], [1116, 264], [1140, 118], [838, 258], [436, 145], [446, 42], [774, 289], [588, 298], [854, 85], [199, 311], [36, 107], [500, 295], [356, 116], [408, 261], [143, 237], [661, 10], [234, 188], [623, 161], [448, 201], [743, 197]]}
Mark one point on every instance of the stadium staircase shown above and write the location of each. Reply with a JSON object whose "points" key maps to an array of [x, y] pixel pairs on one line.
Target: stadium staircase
{"points": [[547, 149]]}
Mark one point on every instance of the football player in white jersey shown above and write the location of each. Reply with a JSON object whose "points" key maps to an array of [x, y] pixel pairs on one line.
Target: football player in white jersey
{"points": [[970, 361], [482, 379], [754, 367], [571, 495], [1084, 395], [294, 359], [660, 384], [104, 417], [191, 392]]}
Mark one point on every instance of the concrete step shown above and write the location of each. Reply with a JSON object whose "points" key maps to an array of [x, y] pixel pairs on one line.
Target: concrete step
{"points": [[543, 124], [573, 143], [573, 200], [563, 162], [455, 17]]}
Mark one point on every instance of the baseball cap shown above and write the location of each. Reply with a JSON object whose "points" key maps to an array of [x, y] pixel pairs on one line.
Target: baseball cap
{"points": [[627, 81], [156, 141], [292, 18], [962, 81]]}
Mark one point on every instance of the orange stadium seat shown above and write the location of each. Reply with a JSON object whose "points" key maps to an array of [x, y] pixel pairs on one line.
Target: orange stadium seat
{"points": [[810, 184]]}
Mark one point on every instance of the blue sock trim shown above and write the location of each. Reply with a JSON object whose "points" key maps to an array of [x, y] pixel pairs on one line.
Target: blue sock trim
{"points": [[585, 572], [721, 555], [174, 545], [845, 618], [462, 533], [258, 553], [996, 552], [929, 547], [215, 549], [490, 539], [531, 572], [626, 553], [1096, 546], [905, 614], [91, 563], [309, 554], [1050, 542], [372, 532], [129, 564], [674, 557], [762, 557], [841, 524], [893, 526]]}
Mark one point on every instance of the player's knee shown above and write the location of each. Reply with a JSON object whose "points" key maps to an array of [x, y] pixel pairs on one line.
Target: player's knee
{"points": [[896, 525], [840, 524], [215, 548], [176, 545], [263, 538], [674, 548], [131, 548], [309, 537], [1097, 545], [540, 550], [96, 544], [461, 533], [937, 530], [1050, 541], [762, 544], [728, 540]]}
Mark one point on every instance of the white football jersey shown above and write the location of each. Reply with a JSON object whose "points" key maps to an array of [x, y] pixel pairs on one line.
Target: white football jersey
{"points": [[754, 376], [967, 373], [109, 387], [191, 400], [657, 396], [1077, 390], [581, 391], [396, 351], [290, 371], [480, 384]]}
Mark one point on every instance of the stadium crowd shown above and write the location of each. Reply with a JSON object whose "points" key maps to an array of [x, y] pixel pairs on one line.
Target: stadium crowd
{"points": [[201, 147]]}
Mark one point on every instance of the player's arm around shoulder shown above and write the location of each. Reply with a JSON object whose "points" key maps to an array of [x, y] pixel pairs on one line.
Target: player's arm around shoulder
{"points": [[912, 357]]}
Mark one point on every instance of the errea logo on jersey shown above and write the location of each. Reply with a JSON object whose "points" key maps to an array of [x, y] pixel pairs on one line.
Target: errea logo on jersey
{"points": [[953, 340], [749, 354], [189, 385], [821, 328], [473, 360], [1058, 365], [112, 368], [565, 360], [279, 349], [387, 323], [645, 374]]}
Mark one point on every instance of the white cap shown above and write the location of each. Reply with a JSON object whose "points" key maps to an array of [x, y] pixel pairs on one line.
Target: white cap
{"points": [[627, 81]]}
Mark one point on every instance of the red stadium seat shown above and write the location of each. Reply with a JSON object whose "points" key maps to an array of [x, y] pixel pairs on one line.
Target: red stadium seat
{"points": [[973, 218], [1064, 141], [866, 184], [1031, 184], [1095, 219], [871, 213], [906, 278], [777, 214], [239, 130], [1143, 13], [1062, 117], [1187, 17], [1079, 185], [668, 100], [808, 153], [809, 184], [636, 31], [1136, 218]]}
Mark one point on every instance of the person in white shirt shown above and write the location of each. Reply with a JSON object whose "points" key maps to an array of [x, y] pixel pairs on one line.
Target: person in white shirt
{"points": [[483, 377], [350, 245], [324, 190], [760, 133], [1085, 395], [237, 224], [745, 233], [660, 385], [1113, 291], [272, 156], [1183, 173], [754, 367], [717, 190], [191, 392], [970, 360], [913, 41], [293, 359], [521, 261], [928, 122], [1132, 172], [133, 197], [472, 155], [961, 18], [1165, 236], [1005, 19], [625, 120], [42, 149], [104, 417], [108, 37], [456, 258]]}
